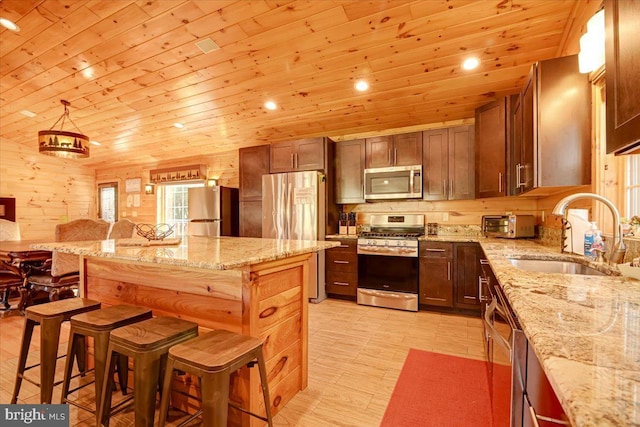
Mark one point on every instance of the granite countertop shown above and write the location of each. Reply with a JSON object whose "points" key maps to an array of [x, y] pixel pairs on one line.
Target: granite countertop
{"points": [[215, 253], [585, 331]]}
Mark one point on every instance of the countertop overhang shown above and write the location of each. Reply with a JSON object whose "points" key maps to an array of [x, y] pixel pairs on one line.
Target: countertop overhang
{"points": [[214, 253]]}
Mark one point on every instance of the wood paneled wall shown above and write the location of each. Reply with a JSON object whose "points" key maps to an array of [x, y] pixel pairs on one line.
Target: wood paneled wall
{"points": [[48, 190], [223, 166], [458, 211]]}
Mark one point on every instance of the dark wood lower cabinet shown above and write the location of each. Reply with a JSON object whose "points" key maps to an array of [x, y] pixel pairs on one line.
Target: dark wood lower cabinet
{"points": [[449, 274], [467, 266], [341, 269], [436, 274]]}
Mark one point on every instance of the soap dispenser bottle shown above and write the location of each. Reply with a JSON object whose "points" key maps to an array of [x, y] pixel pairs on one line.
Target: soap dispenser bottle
{"points": [[597, 247], [588, 241]]}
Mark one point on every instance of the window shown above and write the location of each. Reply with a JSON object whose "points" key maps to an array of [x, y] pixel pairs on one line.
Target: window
{"points": [[173, 206], [108, 201], [632, 186]]}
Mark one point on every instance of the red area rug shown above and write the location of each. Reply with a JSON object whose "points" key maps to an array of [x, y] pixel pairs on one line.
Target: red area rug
{"points": [[437, 390]]}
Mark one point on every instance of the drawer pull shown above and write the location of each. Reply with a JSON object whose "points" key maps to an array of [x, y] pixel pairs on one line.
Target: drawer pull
{"points": [[341, 283], [341, 262], [343, 246], [434, 250]]}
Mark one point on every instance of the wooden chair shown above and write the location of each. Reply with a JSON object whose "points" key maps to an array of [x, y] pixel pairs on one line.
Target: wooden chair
{"points": [[9, 230], [62, 278], [122, 229], [98, 325], [213, 357], [11, 279], [147, 342], [50, 317]]}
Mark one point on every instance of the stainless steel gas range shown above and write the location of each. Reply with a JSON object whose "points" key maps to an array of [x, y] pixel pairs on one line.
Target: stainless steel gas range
{"points": [[388, 261]]}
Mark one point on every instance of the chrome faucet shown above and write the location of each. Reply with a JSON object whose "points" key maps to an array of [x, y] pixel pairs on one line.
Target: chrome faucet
{"points": [[619, 249]]}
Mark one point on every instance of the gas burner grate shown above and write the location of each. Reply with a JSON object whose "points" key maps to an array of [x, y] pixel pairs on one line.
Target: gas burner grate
{"points": [[389, 235]]}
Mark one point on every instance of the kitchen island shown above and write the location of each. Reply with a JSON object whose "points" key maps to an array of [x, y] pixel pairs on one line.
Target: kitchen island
{"points": [[584, 330], [256, 287]]}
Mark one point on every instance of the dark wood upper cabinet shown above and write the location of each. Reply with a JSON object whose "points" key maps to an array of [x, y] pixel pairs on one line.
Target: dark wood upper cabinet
{"points": [[622, 51], [394, 150], [349, 171], [253, 163], [448, 163], [300, 155], [555, 143], [491, 149]]}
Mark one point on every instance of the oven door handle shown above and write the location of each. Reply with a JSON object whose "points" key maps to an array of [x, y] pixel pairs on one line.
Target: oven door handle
{"points": [[386, 294]]}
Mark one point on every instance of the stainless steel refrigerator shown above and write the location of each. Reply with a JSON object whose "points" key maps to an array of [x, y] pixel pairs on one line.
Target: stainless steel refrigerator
{"points": [[213, 211], [293, 207]]}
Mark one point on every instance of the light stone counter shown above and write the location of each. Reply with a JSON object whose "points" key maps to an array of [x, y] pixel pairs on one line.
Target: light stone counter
{"points": [[215, 253], [585, 331]]}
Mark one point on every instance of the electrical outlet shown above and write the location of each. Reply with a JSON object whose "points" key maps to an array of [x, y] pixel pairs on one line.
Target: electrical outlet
{"points": [[445, 216], [134, 214], [124, 214]]}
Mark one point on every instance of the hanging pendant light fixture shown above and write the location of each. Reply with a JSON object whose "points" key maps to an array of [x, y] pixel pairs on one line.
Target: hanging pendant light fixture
{"points": [[61, 143]]}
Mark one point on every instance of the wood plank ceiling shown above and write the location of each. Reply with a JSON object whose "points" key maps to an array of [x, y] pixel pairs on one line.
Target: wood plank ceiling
{"points": [[131, 68]]}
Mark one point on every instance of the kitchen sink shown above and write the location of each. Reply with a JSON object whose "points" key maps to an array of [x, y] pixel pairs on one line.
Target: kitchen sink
{"points": [[549, 266]]}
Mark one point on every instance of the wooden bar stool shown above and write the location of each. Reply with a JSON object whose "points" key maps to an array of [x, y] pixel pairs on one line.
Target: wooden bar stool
{"points": [[98, 324], [212, 357], [148, 343], [50, 317]]}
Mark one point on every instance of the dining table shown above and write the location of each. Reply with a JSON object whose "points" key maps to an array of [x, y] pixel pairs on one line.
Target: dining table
{"points": [[19, 255]]}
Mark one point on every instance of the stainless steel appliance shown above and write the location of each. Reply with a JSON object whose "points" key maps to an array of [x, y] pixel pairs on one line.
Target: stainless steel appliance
{"points": [[508, 226], [388, 261], [213, 211], [398, 182], [502, 334], [293, 207]]}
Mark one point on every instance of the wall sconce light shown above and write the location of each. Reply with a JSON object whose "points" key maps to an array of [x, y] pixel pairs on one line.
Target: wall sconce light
{"points": [[62, 143], [148, 188], [212, 182], [591, 56]]}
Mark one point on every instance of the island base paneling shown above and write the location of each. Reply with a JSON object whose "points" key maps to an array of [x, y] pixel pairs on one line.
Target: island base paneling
{"points": [[266, 300]]}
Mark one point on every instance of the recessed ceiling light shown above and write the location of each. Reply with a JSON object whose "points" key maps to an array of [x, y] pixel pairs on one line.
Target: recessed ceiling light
{"points": [[28, 113], [470, 63], [95, 143], [270, 105], [361, 85], [178, 125], [9, 25]]}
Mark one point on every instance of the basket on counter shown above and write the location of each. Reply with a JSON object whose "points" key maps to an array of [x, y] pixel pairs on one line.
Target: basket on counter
{"points": [[154, 231]]}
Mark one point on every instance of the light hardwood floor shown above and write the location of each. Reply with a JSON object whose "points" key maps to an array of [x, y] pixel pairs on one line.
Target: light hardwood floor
{"points": [[356, 354]]}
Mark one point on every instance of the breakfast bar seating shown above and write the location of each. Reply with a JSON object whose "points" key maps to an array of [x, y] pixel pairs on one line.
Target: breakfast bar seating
{"points": [[147, 342], [50, 317], [98, 325], [212, 358]]}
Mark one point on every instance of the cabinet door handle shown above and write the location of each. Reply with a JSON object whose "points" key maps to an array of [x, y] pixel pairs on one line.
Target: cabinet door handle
{"points": [[292, 162], [499, 182], [395, 156], [341, 283], [433, 250], [341, 262], [450, 188], [484, 261], [448, 270], [297, 164], [444, 187], [389, 156], [343, 246]]}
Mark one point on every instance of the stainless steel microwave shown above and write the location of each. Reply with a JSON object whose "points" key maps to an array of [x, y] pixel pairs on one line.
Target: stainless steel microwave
{"points": [[508, 226], [399, 182]]}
